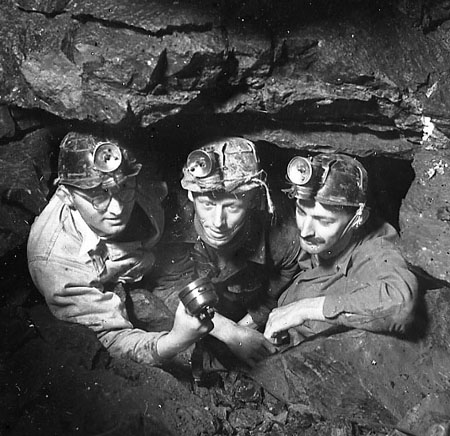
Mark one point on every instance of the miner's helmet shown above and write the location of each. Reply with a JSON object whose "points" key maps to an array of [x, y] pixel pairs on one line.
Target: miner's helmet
{"points": [[87, 161], [331, 179], [227, 165]]}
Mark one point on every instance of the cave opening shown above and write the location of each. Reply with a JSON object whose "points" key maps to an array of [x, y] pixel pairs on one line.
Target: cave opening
{"points": [[163, 150]]}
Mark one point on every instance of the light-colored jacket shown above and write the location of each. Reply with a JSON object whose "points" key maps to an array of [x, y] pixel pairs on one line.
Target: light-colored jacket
{"points": [[76, 272]]}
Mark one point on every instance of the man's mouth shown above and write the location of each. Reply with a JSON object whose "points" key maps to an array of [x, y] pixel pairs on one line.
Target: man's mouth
{"points": [[114, 220], [219, 234], [314, 242]]}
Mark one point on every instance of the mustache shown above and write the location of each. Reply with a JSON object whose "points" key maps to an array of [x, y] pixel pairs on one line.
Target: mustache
{"points": [[313, 240]]}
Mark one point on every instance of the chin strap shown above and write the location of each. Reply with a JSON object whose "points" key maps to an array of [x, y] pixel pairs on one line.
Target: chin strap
{"points": [[270, 205], [357, 219]]}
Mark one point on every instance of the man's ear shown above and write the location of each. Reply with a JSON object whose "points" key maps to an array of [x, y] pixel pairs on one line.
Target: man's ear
{"points": [[66, 196]]}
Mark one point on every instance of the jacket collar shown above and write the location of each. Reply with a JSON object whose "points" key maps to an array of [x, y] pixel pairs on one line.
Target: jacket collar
{"points": [[89, 239], [341, 263]]}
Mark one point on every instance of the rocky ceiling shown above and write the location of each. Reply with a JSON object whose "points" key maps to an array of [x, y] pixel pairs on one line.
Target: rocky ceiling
{"points": [[370, 78]]}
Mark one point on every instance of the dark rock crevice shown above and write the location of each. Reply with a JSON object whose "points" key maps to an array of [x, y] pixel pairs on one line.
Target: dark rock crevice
{"points": [[170, 30]]}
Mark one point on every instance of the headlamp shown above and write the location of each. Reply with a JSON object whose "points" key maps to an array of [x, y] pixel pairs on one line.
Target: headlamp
{"points": [[299, 170], [200, 163], [331, 179], [107, 157]]}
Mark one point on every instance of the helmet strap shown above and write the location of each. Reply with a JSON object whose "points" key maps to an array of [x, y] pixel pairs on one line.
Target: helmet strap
{"points": [[270, 205], [357, 220], [65, 195]]}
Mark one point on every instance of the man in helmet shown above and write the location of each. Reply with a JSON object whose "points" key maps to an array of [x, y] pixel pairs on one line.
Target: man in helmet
{"points": [[352, 274], [95, 237], [248, 254]]}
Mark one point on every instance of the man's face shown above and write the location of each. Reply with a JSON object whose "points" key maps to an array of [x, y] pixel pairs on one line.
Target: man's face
{"points": [[221, 215], [106, 212], [321, 227]]}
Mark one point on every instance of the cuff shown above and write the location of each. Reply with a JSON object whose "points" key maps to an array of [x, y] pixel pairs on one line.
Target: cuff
{"points": [[156, 358]]}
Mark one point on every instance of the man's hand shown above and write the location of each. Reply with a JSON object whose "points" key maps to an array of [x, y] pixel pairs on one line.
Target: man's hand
{"points": [[186, 330], [246, 343], [249, 345], [293, 314], [188, 327]]}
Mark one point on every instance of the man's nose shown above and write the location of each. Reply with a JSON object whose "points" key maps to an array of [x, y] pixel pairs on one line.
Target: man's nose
{"points": [[307, 228], [218, 218], [116, 205]]}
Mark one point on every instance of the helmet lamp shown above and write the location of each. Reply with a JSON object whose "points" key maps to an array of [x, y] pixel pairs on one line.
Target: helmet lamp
{"points": [[299, 170], [331, 179], [200, 163], [107, 157]]}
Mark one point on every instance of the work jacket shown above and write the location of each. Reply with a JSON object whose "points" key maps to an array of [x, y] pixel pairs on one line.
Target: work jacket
{"points": [[367, 286], [77, 271]]}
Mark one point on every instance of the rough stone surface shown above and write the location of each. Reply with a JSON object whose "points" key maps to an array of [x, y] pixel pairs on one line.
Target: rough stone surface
{"points": [[261, 57], [7, 126], [425, 214], [152, 16], [368, 378], [44, 6], [65, 379], [23, 186]]}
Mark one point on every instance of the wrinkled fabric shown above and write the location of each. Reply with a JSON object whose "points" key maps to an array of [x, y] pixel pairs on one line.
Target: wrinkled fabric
{"points": [[368, 286], [77, 272]]}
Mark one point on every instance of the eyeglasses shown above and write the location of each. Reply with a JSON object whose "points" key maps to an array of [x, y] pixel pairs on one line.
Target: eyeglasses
{"points": [[100, 198]]}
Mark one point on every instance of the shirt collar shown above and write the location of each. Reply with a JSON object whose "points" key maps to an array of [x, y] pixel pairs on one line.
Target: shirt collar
{"points": [[90, 240], [341, 262]]}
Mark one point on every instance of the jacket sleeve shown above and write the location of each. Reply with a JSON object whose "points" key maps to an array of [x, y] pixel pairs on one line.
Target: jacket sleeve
{"points": [[378, 294], [285, 249], [73, 298], [174, 269]]}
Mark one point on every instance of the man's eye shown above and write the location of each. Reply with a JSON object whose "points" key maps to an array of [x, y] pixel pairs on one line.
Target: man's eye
{"points": [[97, 192], [100, 194], [127, 185]]}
